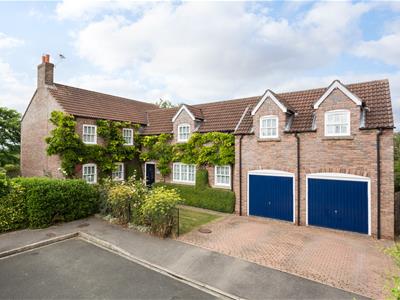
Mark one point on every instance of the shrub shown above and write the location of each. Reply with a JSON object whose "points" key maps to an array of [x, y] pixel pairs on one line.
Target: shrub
{"points": [[209, 198], [52, 200], [123, 200], [394, 252], [4, 184], [12, 170], [159, 209], [13, 211], [201, 179]]}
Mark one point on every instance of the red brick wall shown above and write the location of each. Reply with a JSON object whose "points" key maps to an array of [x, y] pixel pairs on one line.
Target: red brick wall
{"points": [[35, 127], [354, 155]]}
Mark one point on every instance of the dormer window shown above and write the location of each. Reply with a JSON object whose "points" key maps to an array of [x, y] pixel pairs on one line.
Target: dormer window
{"points": [[337, 123], [183, 132], [269, 127], [89, 134], [127, 133]]}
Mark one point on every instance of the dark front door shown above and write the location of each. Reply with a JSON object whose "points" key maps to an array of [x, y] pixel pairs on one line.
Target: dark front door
{"points": [[150, 174]]}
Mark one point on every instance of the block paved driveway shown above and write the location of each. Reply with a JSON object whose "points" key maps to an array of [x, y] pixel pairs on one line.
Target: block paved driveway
{"points": [[344, 260]]}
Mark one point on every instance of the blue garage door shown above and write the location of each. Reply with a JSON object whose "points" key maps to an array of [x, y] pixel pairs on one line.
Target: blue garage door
{"points": [[338, 204], [271, 197]]}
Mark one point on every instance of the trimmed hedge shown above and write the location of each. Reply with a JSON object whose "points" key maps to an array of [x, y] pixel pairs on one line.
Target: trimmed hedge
{"points": [[41, 202], [209, 198]]}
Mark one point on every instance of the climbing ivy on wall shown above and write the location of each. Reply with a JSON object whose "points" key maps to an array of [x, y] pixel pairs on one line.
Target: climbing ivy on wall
{"points": [[212, 148], [65, 142]]}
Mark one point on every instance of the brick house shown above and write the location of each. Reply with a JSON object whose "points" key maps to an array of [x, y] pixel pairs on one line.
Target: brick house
{"points": [[321, 157]]}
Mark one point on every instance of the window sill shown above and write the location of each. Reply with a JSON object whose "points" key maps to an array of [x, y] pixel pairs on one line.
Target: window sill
{"points": [[221, 186], [330, 138], [268, 140], [184, 182]]}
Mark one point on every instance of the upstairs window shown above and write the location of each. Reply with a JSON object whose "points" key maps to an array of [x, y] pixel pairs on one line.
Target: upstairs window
{"points": [[127, 133], [118, 173], [269, 127], [184, 173], [223, 175], [89, 173], [183, 132], [89, 134], [337, 123]]}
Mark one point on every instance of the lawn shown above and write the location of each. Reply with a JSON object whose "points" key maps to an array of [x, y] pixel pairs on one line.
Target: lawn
{"points": [[191, 219]]}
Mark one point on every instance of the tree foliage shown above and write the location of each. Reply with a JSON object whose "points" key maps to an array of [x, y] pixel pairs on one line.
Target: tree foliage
{"points": [[10, 136], [163, 103]]}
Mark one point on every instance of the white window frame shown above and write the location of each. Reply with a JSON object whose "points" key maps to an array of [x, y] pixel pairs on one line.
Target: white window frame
{"points": [[118, 170], [131, 133], [276, 135], [95, 173], [216, 183], [331, 112], [177, 177], [95, 133], [179, 134]]}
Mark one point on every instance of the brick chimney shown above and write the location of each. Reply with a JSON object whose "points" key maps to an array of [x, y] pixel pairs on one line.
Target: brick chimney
{"points": [[45, 72]]}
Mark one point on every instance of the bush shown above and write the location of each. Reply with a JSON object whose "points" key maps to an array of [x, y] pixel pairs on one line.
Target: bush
{"points": [[394, 252], [125, 200], [209, 198], [4, 184], [52, 200], [12, 170], [159, 209], [201, 179], [13, 210]]}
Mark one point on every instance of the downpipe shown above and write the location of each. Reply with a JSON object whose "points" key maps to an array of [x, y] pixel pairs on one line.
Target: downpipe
{"points": [[378, 182], [298, 178]]}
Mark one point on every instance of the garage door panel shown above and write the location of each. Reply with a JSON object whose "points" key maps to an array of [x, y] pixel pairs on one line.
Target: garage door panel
{"points": [[271, 196], [338, 204]]}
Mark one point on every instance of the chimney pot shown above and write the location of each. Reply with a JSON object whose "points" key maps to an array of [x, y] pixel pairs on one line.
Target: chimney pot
{"points": [[47, 58]]}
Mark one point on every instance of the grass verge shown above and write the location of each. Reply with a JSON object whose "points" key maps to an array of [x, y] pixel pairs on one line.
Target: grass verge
{"points": [[191, 219]]}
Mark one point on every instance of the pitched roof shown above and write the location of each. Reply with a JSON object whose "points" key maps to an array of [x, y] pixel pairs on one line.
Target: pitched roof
{"points": [[91, 104], [196, 111], [225, 115]]}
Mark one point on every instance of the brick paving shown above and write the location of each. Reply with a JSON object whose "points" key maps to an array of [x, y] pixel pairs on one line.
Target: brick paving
{"points": [[344, 260]]}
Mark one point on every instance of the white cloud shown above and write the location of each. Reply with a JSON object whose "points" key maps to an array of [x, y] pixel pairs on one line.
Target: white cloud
{"points": [[386, 49], [87, 9], [9, 42], [13, 88], [205, 50]]}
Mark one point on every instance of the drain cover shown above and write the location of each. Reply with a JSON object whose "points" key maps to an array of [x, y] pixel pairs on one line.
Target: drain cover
{"points": [[83, 225], [205, 230]]}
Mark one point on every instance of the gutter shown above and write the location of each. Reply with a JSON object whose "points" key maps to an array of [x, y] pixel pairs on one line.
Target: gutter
{"points": [[240, 174], [378, 182], [298, 178]]}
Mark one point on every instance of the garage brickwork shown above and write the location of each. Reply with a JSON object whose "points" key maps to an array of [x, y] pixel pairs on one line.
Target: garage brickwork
{"points": [[355, 155]]}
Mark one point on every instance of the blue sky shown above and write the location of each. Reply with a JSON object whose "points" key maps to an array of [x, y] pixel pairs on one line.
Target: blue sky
{"points": [[194, 52]]}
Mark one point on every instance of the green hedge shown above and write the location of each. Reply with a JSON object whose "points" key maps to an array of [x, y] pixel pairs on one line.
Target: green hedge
{"points": [[209, 198], [40, 202]]}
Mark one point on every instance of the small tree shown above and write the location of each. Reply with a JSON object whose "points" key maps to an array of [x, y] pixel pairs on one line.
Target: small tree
{"points": [[165, 103], [10, 136]]}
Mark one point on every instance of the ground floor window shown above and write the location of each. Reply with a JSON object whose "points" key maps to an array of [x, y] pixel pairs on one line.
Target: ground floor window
{"points": [[118, 173], [89, 173], [184, 173], [223, 175]]}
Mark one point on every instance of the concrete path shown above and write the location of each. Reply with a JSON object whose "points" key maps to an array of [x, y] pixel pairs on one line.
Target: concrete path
{"points": [[348, 261], [232, 275]]}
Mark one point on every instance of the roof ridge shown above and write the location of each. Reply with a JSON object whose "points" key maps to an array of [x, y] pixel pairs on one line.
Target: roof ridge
{"points": [[109, 95]]}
